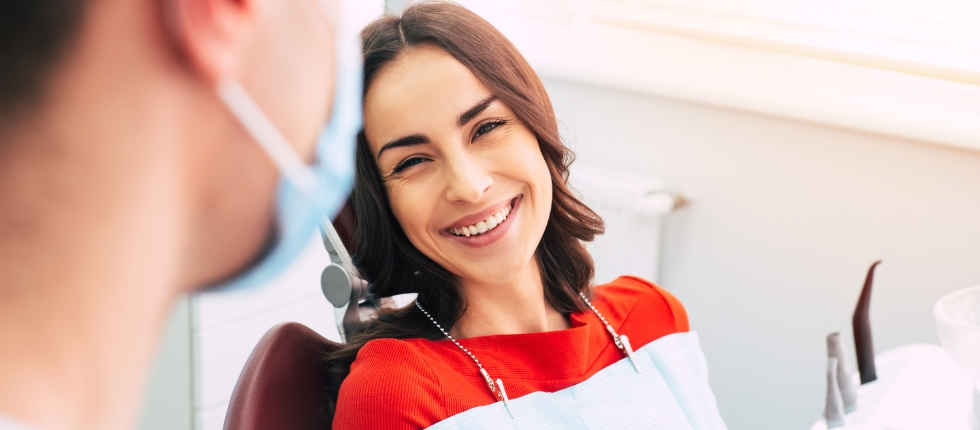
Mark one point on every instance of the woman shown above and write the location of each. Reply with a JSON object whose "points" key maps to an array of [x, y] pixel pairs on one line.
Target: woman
{"points": [[462, 197]]}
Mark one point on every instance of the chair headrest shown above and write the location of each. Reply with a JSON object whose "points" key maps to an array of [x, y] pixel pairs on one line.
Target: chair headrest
{"points": [[281, 384], [344, 224]]}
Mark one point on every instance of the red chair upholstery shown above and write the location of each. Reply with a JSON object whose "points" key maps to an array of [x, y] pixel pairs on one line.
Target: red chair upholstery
{"points": [[280, 386], [344, 224]]}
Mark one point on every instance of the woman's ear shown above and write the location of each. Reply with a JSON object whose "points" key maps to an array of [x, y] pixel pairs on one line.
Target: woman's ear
{"points": [[211, 35]]}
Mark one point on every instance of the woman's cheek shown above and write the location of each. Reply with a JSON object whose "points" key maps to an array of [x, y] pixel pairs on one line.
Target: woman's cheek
{"points": [[421, 198]]}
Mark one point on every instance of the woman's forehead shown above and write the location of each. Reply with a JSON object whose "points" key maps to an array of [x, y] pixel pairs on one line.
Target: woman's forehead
{"points": [[424, 89]]}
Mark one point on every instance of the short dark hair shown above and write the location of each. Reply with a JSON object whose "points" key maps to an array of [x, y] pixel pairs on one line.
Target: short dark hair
{"points": [[382, 251], [34, 35]]}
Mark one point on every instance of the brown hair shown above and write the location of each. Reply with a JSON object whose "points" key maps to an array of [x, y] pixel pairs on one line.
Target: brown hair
{"points": [[34, 36], [383, 253]]}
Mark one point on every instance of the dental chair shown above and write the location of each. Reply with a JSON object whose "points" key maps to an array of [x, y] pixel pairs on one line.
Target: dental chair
{"points": [[280, 386]]}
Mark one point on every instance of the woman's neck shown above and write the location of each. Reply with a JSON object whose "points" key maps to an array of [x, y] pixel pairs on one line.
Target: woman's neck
{"points": [[513, 307]]}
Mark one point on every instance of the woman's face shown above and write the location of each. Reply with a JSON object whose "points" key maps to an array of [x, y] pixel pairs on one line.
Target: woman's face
{"points": [[465, 177]]}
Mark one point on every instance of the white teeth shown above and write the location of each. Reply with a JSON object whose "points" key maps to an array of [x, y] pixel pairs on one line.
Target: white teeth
{"points": [[484, 226]]}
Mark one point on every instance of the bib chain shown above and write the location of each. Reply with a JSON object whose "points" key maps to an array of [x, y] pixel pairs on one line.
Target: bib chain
{"points": [[497, 389]]}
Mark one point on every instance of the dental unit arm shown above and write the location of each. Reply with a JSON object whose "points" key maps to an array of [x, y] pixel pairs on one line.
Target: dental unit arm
{"points": [[342, 285]]}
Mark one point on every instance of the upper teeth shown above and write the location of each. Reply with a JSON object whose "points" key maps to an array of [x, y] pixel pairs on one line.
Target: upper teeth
{"points": [[485, 225]]}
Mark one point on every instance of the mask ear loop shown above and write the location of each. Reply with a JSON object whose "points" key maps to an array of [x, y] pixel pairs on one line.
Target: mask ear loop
{"points": [[251, 116]]}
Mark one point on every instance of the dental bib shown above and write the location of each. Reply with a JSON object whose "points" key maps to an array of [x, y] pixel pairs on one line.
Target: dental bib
{"points": [[671, 392]]}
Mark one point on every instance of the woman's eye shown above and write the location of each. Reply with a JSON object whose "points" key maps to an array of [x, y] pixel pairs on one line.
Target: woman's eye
{"points": [[488, 127], [408, 162]]}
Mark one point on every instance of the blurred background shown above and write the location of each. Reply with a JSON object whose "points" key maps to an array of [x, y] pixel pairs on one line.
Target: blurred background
{"points": [[811, 139]]}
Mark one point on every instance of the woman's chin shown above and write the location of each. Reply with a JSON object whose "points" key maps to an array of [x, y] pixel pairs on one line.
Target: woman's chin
{"points": [[493, 273]]}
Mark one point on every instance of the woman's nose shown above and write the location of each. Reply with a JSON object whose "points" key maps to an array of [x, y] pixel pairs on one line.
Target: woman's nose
{"points": [[468, 179]]}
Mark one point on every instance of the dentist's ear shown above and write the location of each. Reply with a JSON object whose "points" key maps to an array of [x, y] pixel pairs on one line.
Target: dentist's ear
{"points": [[211, 35]]}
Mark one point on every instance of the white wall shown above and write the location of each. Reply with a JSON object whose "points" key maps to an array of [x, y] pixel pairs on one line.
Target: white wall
{"points": [[168, 404], [784, 221]]}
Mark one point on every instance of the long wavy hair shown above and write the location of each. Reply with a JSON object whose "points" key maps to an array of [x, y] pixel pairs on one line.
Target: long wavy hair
{"points": [[382, 251]]}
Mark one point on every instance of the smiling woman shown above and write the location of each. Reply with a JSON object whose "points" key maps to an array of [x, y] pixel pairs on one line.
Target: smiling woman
{"points": [[464, 158], [462, 197]]}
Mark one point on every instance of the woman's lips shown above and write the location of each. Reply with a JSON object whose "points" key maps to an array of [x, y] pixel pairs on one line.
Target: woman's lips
{"points": [[485, 225], [482, 215], [489, 234]]}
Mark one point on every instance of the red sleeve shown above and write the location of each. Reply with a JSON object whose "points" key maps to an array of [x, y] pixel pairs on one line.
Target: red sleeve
{"points": [[676, 308], [656, 310], [390, 386]]}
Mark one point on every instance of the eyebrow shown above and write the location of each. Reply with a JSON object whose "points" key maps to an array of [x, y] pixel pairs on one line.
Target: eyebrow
{"points": [[472, 112], [419, 139], [415, 139]]}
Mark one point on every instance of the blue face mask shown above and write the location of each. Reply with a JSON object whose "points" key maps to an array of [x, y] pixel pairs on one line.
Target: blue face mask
{"points": [[307, 195]]}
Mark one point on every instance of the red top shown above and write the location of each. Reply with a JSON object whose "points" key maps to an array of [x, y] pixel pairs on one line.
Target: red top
{"points": [[415, 383]]}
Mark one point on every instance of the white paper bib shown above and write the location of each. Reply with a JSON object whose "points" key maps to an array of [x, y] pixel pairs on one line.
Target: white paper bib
{"points": [[671, 392]]}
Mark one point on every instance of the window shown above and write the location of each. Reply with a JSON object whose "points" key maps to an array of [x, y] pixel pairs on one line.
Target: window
{"points": [[905, 68], [935, 38]]}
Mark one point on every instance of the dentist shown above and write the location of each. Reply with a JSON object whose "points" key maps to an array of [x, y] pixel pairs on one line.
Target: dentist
{"points": [[149, 149]]}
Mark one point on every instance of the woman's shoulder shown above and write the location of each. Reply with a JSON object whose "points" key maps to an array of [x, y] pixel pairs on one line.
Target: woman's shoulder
{"points": [[390, 385], [635, 298]]}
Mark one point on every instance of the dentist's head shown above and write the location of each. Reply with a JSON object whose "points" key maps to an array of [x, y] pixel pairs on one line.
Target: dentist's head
{"points": [[149, 148], [270, 77]]}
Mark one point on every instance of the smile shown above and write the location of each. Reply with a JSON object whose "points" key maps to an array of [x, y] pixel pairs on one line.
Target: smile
{"points": [[486, 225]]}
